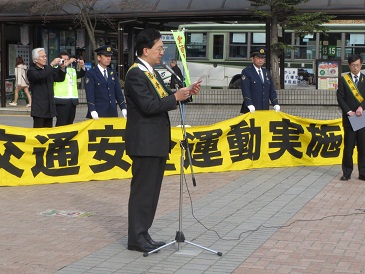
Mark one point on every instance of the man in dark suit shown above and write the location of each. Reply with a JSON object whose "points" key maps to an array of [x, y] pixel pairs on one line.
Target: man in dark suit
{"points": [[174, 80], [350, 97], [257, 85], [102, 87], [148, 137]]}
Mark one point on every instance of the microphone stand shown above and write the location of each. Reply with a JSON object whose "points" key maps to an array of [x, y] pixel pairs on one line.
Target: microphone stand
{"points": [[179, 237]]}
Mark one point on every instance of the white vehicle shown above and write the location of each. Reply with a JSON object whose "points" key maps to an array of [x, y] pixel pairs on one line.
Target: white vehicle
{"points": [[219, 52], [169, 53]]}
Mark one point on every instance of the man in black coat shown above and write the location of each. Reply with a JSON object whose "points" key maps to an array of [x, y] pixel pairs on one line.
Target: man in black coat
{"points": [[148, 137], [41, 79], [174, 80], [350, 97]]}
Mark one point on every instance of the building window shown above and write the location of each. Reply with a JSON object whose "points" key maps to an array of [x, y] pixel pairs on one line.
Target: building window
{"points": [[355, 44], [305, 47]]}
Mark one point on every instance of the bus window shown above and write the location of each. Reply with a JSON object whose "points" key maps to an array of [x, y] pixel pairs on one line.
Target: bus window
{"points": [[196, 45], [258, 39], [170, 52], [218, 43], [237, 45], [355, 43]]}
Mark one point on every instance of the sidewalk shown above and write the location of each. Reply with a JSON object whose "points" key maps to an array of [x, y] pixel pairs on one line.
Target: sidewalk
{"points": [[275, 220]]}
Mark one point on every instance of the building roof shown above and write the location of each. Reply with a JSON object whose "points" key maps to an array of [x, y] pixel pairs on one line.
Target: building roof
{"points": [[178, 9]]}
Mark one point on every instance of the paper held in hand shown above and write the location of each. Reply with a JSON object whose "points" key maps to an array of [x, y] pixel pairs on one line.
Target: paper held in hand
{"points": [[196, 82], [357, 122]]}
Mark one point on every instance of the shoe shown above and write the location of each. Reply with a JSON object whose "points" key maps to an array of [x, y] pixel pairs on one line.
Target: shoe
{"points": [[13, 104], [346, 178], [142, 248], [152, 242], [29, 105], [362, 177]]}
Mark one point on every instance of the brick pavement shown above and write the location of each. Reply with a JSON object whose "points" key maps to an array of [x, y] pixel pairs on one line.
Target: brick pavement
{"points": [[317, 244], [243, 210], [246, 209]]}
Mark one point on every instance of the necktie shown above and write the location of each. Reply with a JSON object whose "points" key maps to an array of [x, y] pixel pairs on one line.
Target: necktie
{"points": [[260, 74], [105, 75], [356, 79]]}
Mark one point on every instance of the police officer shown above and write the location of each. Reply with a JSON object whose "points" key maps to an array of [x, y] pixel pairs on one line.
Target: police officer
{"points": [[103, 90], [257, 85]]}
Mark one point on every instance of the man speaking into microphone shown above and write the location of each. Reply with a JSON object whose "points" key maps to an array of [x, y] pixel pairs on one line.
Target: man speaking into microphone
{"points": [[148, 136]]}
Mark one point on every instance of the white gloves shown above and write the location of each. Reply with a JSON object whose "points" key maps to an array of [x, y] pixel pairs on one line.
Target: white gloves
{"points": [[95, 115], [277, 108], [251, 108], [124, 113]]}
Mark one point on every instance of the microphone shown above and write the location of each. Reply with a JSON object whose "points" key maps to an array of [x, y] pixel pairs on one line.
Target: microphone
{"points": [[166, 66]]}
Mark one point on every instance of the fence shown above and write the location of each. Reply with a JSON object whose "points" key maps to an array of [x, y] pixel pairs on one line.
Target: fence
{"points": [[215, 105]]}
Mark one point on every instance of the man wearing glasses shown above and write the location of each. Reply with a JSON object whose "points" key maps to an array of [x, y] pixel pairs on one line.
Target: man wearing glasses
{"points": [[257, 85], [148, 137], [41, 79], [350, 97]]}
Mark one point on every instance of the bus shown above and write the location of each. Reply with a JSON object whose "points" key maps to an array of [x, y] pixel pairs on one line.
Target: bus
{"points": [[170, 52], [219, 52]]}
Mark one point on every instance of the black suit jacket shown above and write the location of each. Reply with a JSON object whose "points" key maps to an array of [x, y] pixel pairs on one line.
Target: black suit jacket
{"points": [[148, 124], [347, 100], [174, 80], [41, 84]]}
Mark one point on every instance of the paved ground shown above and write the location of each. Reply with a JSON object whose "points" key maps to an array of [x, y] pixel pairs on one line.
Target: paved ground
{"points": [[274, 220], [281, 220]]}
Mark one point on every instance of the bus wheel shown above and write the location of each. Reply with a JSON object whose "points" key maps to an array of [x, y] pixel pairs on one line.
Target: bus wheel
{"points": [[235, 85]]}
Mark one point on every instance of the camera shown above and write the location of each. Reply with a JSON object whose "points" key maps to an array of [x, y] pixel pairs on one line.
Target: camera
{"points": [[62, 61]]}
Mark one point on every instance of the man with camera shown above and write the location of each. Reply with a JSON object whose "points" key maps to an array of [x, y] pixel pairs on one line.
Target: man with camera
{"points": [[66, 95]]}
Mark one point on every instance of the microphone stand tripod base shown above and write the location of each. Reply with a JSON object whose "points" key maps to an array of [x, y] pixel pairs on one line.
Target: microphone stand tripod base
{"points": [[180, 238]]}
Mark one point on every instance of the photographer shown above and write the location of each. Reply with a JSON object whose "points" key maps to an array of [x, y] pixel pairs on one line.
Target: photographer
{"points": [[41, 79], [66, 95]]}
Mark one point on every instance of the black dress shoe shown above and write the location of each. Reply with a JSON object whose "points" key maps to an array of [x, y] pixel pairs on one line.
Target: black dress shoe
{"points": [[362, 177], [155, 244], [152, 242], [142, 248], [345, 178]]}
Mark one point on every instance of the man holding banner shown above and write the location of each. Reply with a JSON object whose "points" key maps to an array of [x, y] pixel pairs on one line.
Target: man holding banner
{"points": [[148, 136], [350, 97]]}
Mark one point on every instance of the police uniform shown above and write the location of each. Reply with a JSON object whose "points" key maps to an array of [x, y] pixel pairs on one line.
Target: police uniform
{"points": [[255, 91], [102, 94]]}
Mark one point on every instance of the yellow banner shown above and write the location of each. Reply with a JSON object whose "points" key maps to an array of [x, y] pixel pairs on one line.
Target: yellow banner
{"points": [[180, 43], [95, 149]]}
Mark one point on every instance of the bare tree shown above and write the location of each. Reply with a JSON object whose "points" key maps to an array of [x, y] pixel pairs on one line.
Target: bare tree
{"points": [[88, 14], [286, 14]]}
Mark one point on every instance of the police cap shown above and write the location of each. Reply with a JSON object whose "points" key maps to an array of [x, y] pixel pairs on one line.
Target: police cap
{"points": [[259, 51], [104, 50]]}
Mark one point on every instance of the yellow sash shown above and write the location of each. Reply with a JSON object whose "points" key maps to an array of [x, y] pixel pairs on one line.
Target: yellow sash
{"points": [[353, 88], [161, 92]]}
